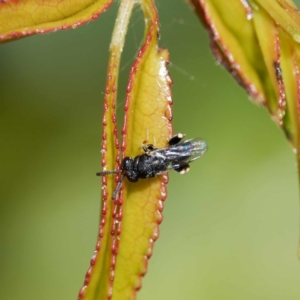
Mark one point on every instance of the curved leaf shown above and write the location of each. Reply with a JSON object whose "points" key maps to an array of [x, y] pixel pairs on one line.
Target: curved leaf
{"points": [[260, 47], [24, 18], [147, 115], [251, 49], [129, 225]]}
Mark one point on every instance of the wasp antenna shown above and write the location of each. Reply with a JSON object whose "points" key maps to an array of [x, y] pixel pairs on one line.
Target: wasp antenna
{"points": [[108, 172], [118, 187]]}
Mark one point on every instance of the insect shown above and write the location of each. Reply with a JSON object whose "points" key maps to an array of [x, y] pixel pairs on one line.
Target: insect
{"points": [[156, 161]]}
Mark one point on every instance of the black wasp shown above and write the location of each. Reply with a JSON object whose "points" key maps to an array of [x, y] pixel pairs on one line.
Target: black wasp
{"points": [[156, 161]]}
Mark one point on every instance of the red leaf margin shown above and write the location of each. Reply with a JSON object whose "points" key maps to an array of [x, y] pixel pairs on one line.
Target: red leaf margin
{"points": [[113, 216], [82, 17]]}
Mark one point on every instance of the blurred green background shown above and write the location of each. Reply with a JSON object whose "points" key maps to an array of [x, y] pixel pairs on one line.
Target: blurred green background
{"points": [[230, 227]]}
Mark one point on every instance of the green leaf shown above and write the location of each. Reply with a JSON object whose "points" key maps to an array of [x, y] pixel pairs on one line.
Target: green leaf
{"points": [[20, 19], [251, 49], [129, 224], [258, 42]]}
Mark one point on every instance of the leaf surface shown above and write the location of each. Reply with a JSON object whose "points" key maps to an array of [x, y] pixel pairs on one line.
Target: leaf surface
{"points": [[251, 48], [21, 18], [129, 224], [260, 48], [147, 116]]}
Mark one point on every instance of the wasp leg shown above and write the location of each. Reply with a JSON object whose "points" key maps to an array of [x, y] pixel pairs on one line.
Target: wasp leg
{"points": [[181, 167], [175, 139], [148, 148]]}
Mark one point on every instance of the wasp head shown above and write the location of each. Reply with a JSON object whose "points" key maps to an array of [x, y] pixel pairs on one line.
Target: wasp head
{"points": [[127, 167]]}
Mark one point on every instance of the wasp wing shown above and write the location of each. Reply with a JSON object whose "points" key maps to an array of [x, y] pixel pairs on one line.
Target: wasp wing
{"points": [[186, 151]]}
